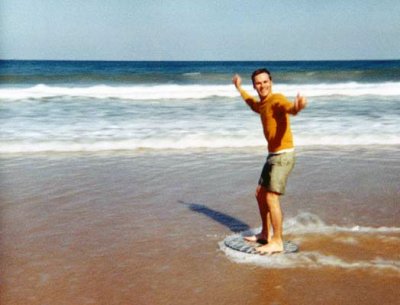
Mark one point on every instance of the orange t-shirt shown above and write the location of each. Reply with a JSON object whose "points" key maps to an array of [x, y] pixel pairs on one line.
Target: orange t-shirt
{"points": [[274, 112]]}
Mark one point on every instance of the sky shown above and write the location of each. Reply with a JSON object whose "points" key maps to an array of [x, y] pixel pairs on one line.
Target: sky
{"points": [[199, 29]]}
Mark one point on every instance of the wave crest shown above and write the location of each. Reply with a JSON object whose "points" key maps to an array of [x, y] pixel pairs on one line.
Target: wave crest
{"points": [[179, 92]]}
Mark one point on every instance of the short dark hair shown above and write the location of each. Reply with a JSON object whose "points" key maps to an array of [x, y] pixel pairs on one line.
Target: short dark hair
{"points": [[260, 71]]}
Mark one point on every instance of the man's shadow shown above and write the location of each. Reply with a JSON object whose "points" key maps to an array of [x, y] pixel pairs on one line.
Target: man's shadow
{"points": [[232, 223]]}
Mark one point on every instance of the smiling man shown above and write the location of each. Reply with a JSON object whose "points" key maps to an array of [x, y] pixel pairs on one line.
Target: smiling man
{"points": [[274, 110]]}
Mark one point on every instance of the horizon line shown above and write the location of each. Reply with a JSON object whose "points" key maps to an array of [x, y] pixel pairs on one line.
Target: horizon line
{"points": [[199, 60]]}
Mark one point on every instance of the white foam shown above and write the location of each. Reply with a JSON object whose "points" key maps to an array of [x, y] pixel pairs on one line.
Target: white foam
{"points": [[172, 143], [307, 223], [160, 92], [120, 92], [310, 259], [346, 139], [49, 143], [344, 89]]}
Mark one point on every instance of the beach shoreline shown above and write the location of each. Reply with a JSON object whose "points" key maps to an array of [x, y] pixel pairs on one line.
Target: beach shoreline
{"points": [[145, 228]]}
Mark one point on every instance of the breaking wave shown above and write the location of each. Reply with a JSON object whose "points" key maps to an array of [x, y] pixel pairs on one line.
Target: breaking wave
{"points": [[160, 92]]}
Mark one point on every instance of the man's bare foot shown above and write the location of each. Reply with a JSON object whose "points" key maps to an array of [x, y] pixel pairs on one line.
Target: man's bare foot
{"points": [[271, 248], [258, 238]]}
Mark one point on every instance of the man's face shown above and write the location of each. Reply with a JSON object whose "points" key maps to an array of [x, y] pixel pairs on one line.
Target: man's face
{"points": [[263, 84]]}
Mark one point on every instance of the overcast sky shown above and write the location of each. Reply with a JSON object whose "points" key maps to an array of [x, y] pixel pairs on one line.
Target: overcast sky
{"points": [[199, 29]]}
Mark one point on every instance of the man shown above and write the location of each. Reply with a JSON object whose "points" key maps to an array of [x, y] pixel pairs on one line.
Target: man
{"points": [[274, 110]]}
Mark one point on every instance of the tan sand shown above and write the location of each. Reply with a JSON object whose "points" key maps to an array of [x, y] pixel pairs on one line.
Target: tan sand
{"points": [[144, 229]]}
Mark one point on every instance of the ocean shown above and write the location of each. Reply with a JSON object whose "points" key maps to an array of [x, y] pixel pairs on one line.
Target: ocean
{"points": [[119, 182], [67, 106]]}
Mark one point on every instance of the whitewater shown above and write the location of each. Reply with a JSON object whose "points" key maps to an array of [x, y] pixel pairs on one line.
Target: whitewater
{"points": [[166, 92], [56, 107], [307, 229]]}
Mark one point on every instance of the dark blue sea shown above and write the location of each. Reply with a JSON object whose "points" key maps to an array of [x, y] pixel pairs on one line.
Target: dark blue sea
{"points": [[92, 106]]}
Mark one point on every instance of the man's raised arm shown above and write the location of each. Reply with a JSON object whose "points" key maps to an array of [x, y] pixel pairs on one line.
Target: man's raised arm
{"points": [[237, 81]]}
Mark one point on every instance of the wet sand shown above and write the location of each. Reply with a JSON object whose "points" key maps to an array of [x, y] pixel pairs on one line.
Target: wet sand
{"points": [[146, 228]]}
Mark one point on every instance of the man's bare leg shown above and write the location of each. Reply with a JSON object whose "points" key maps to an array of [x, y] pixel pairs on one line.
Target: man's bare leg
{"points": [[276, 242], [265, 235]]}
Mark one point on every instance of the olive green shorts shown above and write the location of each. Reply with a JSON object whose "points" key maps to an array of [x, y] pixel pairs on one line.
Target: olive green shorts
{"points": [[276, 171]]}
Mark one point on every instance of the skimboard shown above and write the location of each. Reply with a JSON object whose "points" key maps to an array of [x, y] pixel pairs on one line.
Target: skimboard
{"points": [[237, 243]]}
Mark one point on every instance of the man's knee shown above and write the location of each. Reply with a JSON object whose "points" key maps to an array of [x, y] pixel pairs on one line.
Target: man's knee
{"points": [[272, 197], [262, 194]]}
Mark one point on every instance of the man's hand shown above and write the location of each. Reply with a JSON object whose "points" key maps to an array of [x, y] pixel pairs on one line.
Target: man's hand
{"points": [[299, 103], [237, 81]]}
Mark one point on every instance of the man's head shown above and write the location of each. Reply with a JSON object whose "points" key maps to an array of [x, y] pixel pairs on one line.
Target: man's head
{"points": [[262, 82], [260, 71]]}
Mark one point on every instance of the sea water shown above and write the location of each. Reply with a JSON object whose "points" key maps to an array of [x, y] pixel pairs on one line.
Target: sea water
{"points": [[74, 106], [85, 220], [307, 228]]}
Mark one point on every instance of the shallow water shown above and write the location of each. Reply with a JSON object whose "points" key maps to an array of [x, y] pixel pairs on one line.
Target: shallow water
{"points": [[147, 228]]}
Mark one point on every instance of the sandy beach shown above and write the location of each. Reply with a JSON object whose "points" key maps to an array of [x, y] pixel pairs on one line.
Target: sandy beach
{"points": [[146, 228]]}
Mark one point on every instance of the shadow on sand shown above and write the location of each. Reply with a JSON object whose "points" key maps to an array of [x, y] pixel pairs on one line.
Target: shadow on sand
{"points": [[232, 223]]}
